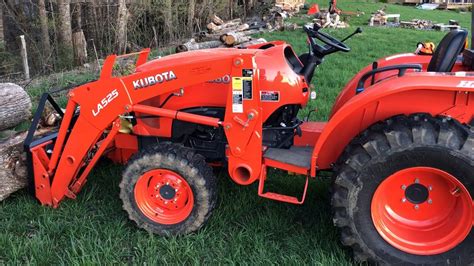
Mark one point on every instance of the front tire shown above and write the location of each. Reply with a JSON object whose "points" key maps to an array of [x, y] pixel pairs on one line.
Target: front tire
{"points": [[168, 189], [403, 192]]}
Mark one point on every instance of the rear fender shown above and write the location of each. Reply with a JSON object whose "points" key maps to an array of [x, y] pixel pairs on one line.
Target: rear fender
{"points": [[349, 90], [436, 94]]}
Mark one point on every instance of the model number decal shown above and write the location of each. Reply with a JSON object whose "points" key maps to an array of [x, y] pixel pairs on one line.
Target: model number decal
{"points": [[104, 102], [466, 84]]}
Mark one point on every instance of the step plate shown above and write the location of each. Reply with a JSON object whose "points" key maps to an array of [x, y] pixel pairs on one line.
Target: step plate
{"points": [[297, 156]]}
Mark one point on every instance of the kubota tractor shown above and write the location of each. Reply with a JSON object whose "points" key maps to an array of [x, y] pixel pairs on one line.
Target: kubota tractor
{"points": [[399, 140]]}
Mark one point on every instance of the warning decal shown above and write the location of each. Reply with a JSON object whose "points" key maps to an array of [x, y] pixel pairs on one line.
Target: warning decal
{"points": [[237, 95], [270, 96]]}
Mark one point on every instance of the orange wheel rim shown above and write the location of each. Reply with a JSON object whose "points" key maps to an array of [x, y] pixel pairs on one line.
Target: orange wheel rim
{"points": [[164, 196], [422, 211]]}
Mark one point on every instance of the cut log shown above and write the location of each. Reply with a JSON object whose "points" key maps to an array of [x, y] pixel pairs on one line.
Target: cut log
{"points": [[13, 171], [13, 166], [216, 20], [15, 105], [236, 39], [254, 42], [212, 27], [193, 45]]}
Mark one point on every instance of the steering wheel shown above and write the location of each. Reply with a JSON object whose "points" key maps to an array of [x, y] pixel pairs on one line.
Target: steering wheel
{"points": [[334, 44]]}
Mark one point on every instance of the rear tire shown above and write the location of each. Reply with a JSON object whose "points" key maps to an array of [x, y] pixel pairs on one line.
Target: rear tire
{"points": [[168, 189], [383, 154]]}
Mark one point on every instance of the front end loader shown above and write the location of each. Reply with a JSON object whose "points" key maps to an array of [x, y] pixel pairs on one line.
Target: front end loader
{"points": [[399, 141]]}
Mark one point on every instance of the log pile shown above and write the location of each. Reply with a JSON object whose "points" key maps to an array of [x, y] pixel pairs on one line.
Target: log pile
{"points": [[378, 18], [15, 105], [418, 24], [233, 33]]}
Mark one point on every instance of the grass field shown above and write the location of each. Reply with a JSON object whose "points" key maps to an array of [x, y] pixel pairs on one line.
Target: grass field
{"points": [[244, 228]]}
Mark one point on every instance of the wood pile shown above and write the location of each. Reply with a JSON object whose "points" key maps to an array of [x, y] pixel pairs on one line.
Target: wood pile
{"points": [[418, 24], [326, 20], [293, 6], [13, 168], [236, 32]]}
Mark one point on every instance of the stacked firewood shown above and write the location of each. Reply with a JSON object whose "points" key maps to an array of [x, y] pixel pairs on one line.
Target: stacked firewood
{"points": [[419, 24], [326, 20], [235, 32], [378, 18]]}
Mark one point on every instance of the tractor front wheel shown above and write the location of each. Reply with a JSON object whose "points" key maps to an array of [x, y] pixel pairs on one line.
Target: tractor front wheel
{"points": [[168, 189], [403, 192]]}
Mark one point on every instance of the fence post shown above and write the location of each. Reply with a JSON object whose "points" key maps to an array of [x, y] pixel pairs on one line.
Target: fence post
{"points": [[24, 57]]}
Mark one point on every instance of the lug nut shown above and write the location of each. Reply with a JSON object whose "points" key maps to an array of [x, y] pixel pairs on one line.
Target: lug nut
{"points": [[404, 200], [417, 207], [417, 180], [430, 188], [404, 187], [430, 201]]}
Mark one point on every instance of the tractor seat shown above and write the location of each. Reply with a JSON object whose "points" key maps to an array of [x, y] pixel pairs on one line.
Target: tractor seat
{"points": [[446, 54]]}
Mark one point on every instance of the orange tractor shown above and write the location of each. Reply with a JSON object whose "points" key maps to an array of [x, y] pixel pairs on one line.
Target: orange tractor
{"points": [[399, 140]]}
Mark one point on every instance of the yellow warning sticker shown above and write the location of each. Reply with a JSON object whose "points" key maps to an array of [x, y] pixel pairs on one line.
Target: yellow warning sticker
{"points": [[237, 95]]}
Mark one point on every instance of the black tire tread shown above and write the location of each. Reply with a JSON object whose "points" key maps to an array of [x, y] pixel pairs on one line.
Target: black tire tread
{"points": [[179, 158]]}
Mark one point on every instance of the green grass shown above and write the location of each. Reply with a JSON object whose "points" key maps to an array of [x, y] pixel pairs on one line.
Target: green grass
{"points": [[244, 229]]}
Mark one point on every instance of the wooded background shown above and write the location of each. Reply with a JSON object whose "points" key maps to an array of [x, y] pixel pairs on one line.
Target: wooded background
{"points": [[61, 34]]}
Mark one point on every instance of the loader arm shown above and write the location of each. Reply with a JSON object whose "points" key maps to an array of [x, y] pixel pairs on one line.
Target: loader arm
{"points": [[93, 115]]}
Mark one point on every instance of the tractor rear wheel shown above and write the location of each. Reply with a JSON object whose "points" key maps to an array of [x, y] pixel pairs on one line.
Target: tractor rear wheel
{"points": [[168, 189], [403, 192]]}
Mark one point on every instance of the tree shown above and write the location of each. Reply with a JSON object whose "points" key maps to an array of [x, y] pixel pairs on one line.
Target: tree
{"points": [[65, 31], [43, 17], [122, 19], [191, 13]]}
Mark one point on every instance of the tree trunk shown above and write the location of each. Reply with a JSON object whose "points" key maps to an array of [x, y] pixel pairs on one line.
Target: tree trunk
{"points": [[168, 17], [80, 47], [191, 12], [45, 42], [15, 105], [122, 19], [1, 22], [65, 29], [76, 18]]}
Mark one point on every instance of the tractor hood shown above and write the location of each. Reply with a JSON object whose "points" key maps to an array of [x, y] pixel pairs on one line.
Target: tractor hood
{"points": [[210, 55]]}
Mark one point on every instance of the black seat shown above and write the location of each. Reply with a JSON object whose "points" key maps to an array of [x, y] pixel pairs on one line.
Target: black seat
{"points": [[446, 54]]}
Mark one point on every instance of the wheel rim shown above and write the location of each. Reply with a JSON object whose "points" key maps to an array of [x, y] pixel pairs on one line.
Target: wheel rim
{"points": [[422, 211], [164, 196]]}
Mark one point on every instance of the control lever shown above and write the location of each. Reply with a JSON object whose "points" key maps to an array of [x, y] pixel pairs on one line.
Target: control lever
{"points": [[357, 31]]}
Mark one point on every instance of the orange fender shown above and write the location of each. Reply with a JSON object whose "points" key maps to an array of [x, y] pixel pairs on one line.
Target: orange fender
{"points": [[434, 93]]}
